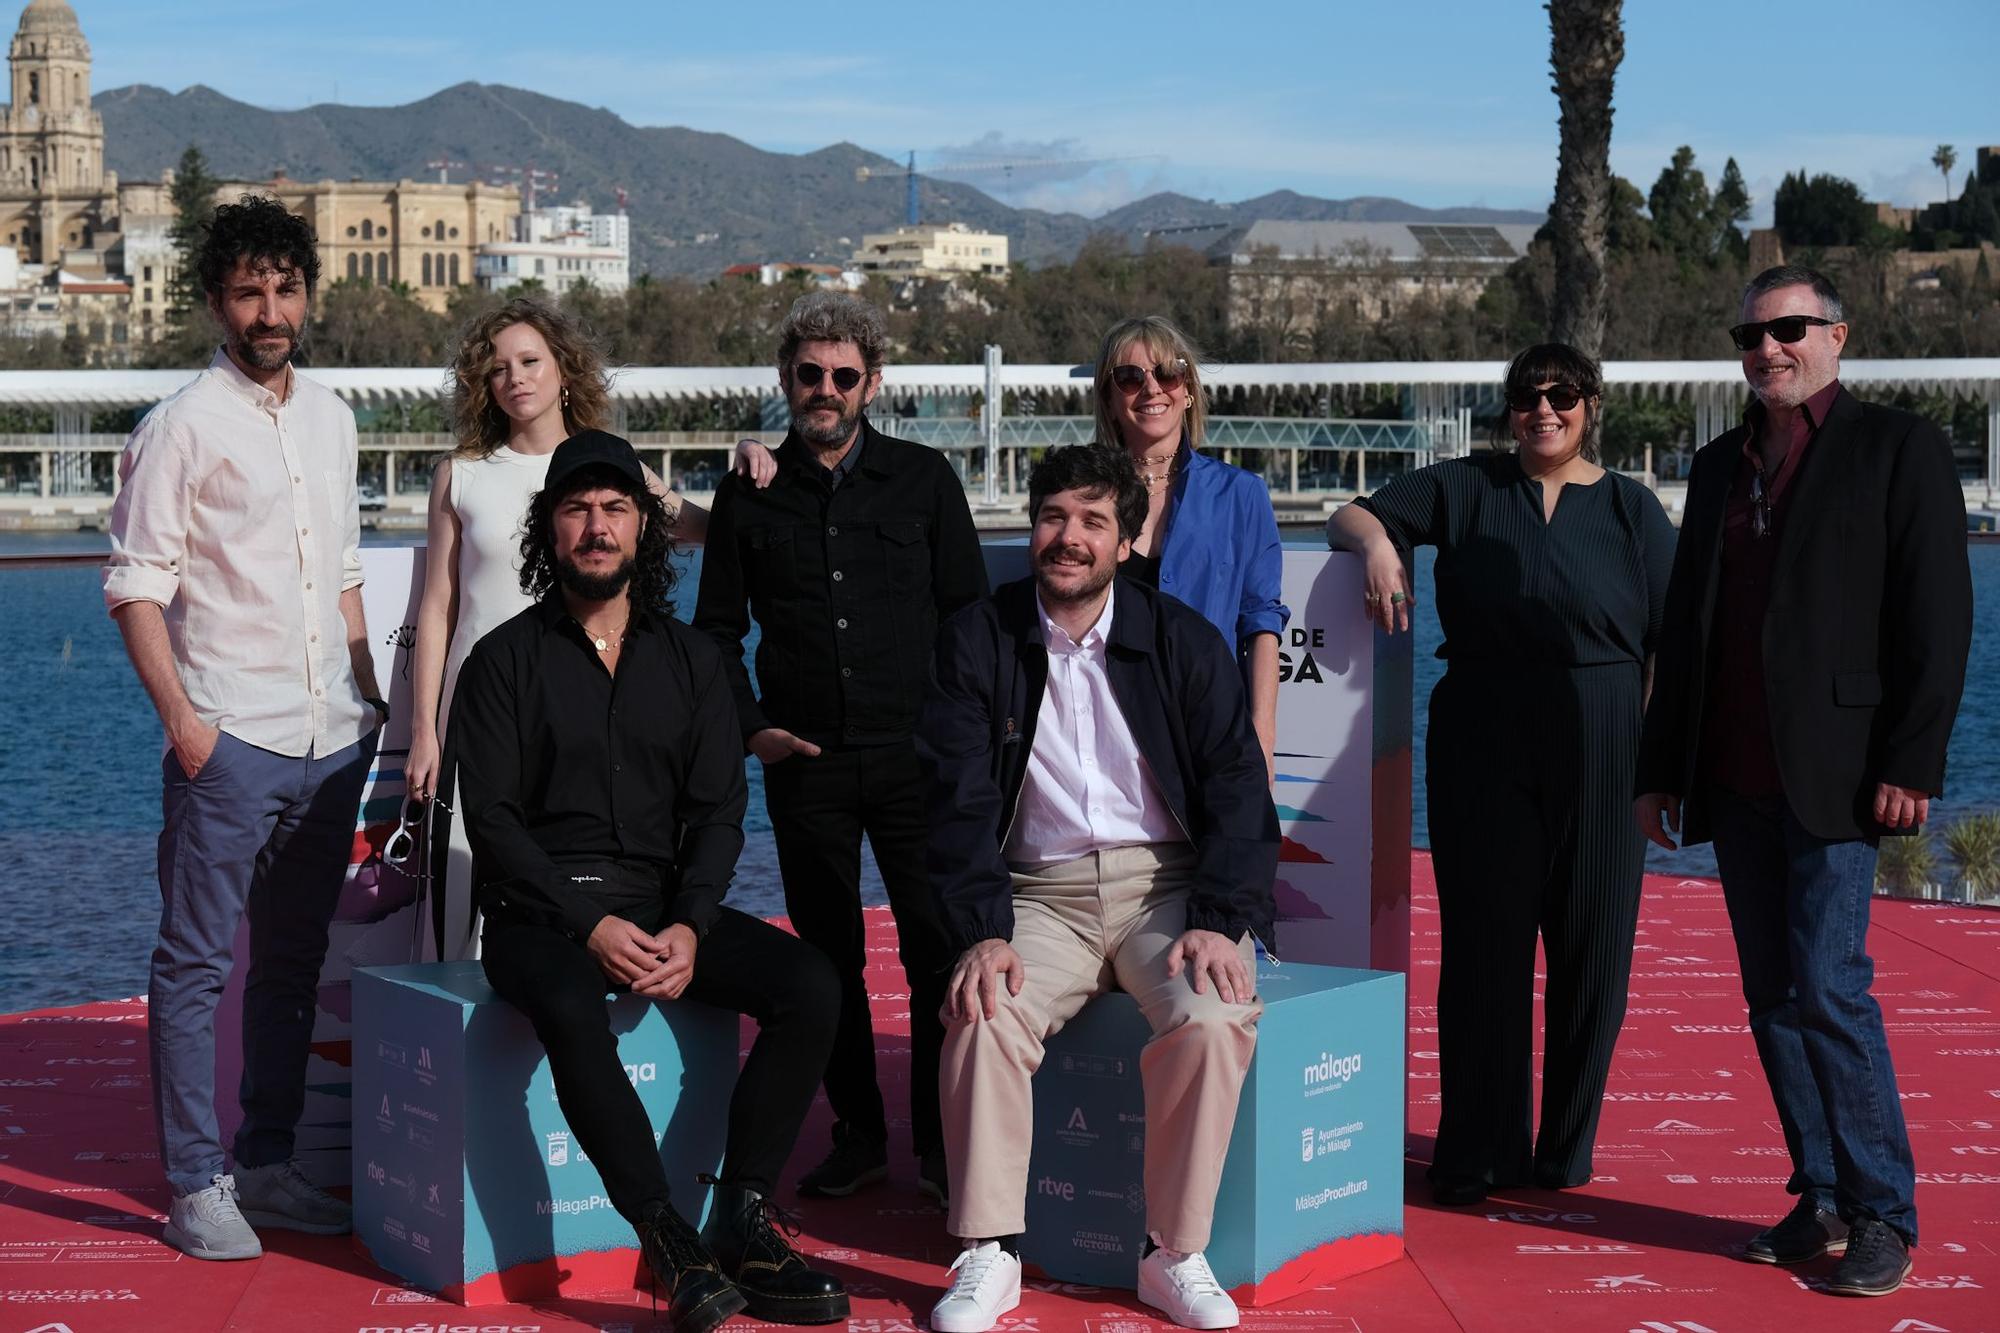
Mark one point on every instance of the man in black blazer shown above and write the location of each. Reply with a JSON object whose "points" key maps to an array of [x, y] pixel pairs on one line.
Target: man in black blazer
{"points": [[1809, 670]]}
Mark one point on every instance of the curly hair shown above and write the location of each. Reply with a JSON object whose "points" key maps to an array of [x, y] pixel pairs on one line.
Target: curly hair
{"points": [[1164, 343], [834, 317], [653, 575], [477, 419], [260, 229], [1096, 472], [1557, 363]]}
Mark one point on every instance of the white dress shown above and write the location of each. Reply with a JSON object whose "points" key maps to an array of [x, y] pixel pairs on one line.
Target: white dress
{"points": [[490, 497]]}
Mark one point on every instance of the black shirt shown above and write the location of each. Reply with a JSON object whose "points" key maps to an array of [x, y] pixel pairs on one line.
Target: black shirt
{"points": [[560, 762], [847, 583], [1141, 569], [1514, 589]]}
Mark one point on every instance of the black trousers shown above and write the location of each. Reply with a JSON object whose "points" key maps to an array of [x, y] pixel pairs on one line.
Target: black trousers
{"points": [[745, 965], [1530, 786], [820, 807]]}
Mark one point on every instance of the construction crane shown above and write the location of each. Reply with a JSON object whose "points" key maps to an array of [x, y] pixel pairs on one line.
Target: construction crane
{"points": [[911, 211]]}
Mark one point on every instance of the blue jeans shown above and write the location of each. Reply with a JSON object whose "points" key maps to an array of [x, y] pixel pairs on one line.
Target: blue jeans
{"points": [[1798, 905], [272, 834]]}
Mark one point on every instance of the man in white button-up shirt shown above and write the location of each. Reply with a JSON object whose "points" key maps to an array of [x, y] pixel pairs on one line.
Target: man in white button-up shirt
{"points": [[1100, 815], [235, 578]]}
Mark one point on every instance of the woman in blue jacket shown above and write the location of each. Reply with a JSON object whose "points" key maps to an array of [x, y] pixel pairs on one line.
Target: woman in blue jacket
{"points": [[1211, 538]]}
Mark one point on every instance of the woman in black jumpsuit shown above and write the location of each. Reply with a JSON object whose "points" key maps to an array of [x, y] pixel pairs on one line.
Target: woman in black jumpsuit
{"points": [[1551, 577]]}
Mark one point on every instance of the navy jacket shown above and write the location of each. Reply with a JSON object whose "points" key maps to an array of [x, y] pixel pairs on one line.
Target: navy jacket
{"points": [[1181, 693]]}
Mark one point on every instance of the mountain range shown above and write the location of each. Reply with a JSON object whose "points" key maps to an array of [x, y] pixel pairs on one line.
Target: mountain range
{"points": [[699, 201]]}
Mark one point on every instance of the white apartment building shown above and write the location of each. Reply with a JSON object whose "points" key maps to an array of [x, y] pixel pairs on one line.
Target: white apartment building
{"points": [[559, 247]]}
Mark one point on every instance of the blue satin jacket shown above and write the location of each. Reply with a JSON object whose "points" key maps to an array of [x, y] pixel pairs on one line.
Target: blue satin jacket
{"points": [[1222, 555]]}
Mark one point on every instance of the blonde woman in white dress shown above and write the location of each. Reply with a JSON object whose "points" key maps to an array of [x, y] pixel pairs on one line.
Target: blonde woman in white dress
{"points": [[527, 376]]}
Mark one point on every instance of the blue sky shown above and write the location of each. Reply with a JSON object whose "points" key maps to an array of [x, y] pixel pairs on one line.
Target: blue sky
{"points": [[1436, 103]]}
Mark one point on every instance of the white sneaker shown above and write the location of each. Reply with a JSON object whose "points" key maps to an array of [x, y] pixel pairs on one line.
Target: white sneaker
{"points": [[1182, 1287], [985, 1284], [207, 1224], [281, 1196]]}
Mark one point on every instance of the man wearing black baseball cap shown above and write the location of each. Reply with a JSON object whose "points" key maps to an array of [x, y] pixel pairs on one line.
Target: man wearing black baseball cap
{"points": [[601, 772]]}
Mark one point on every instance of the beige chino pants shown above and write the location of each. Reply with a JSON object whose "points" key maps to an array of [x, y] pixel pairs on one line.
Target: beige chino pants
{"points": [[1081, 927]]}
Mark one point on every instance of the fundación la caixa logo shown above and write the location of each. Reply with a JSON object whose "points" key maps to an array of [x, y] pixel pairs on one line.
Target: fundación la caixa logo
{"points": [[1330, 1073]]}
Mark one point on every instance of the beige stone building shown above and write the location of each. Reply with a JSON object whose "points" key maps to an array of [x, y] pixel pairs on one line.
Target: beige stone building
{"points": [[944, 250], [54, 192], [420, 233]]}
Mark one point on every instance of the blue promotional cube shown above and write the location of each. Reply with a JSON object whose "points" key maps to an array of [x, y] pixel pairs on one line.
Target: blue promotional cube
{"points": [[467, 1180], [1312, 1189]]}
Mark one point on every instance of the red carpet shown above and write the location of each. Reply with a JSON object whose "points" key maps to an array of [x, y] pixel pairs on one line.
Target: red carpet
{"points": [[1690, 1160]]}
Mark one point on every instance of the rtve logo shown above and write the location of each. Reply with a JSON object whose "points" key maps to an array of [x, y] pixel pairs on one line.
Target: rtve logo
{"points": [[1328, 1072], [1060, 1189]]}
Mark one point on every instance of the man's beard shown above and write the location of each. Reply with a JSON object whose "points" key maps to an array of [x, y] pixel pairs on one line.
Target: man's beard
{"points": [[1094, 583], [827, 437], [254, 353], [594, 587]]}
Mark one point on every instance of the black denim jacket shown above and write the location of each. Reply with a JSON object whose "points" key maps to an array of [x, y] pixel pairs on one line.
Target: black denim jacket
{"points": [[847, 584]]}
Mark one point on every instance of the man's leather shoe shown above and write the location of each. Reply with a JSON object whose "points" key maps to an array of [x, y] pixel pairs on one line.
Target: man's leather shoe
{"points": [[1807, 1232], [856, 1161], [1876, 1262], [1458, 1191], [744, 1233], [699, 1297]]}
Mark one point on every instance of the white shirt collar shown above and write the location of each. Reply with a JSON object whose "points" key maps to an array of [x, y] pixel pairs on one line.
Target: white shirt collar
{"points": [[249, 390], [1094, 637]]}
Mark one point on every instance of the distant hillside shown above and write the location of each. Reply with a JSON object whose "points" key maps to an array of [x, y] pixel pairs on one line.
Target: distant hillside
{"points": [[699, 201]]}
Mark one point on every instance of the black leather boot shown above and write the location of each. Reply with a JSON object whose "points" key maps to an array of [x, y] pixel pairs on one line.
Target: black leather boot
{"points": [[744, 1233], [699, 1297]]}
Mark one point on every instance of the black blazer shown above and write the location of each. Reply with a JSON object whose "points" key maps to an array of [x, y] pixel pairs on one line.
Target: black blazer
{"points": [[1867, 632], [1180, 690]]}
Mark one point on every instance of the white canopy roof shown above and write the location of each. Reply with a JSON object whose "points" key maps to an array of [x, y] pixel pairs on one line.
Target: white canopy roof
{"points": [[1974, 377]]}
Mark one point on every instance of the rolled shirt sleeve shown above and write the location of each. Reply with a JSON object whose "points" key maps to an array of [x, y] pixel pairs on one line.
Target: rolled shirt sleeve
{"points": [[149, 519]]}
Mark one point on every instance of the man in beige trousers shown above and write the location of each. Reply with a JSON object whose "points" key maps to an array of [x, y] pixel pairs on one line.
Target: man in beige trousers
{"points": [[1100, 817]]}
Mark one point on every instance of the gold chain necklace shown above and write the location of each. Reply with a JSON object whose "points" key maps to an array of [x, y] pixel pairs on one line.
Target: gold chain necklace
{"points": [[1154, 480], [603, 642]]}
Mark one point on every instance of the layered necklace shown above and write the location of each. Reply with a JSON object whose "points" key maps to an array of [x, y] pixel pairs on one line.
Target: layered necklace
{"points": [[1156, 470]]}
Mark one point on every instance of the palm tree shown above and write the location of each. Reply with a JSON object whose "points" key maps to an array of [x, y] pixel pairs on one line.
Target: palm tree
{"points": [[1587, 40], [1944, 159]]}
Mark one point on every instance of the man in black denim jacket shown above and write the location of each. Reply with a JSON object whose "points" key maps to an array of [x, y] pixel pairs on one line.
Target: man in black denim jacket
{"points": [[848, 561]]}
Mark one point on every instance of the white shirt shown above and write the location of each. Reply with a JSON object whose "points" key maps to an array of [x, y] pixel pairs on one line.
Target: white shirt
{"points": [[1087, 787], [237, 514]]}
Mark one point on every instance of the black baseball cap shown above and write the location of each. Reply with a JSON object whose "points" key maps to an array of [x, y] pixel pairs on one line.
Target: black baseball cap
{"points": [[596, 448]]}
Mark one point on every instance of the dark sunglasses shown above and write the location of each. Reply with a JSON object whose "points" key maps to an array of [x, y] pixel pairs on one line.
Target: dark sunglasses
{"points": [[808, 374], [1785, 328], [1760, 505], [1562, 397], [1133, 378]]}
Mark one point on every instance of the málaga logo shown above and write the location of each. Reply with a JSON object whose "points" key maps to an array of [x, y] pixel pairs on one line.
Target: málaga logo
{"points": [[1329, 1072]]}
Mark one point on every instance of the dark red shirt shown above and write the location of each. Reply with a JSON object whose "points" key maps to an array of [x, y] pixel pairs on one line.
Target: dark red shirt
{"points": [[1736, 749]]}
